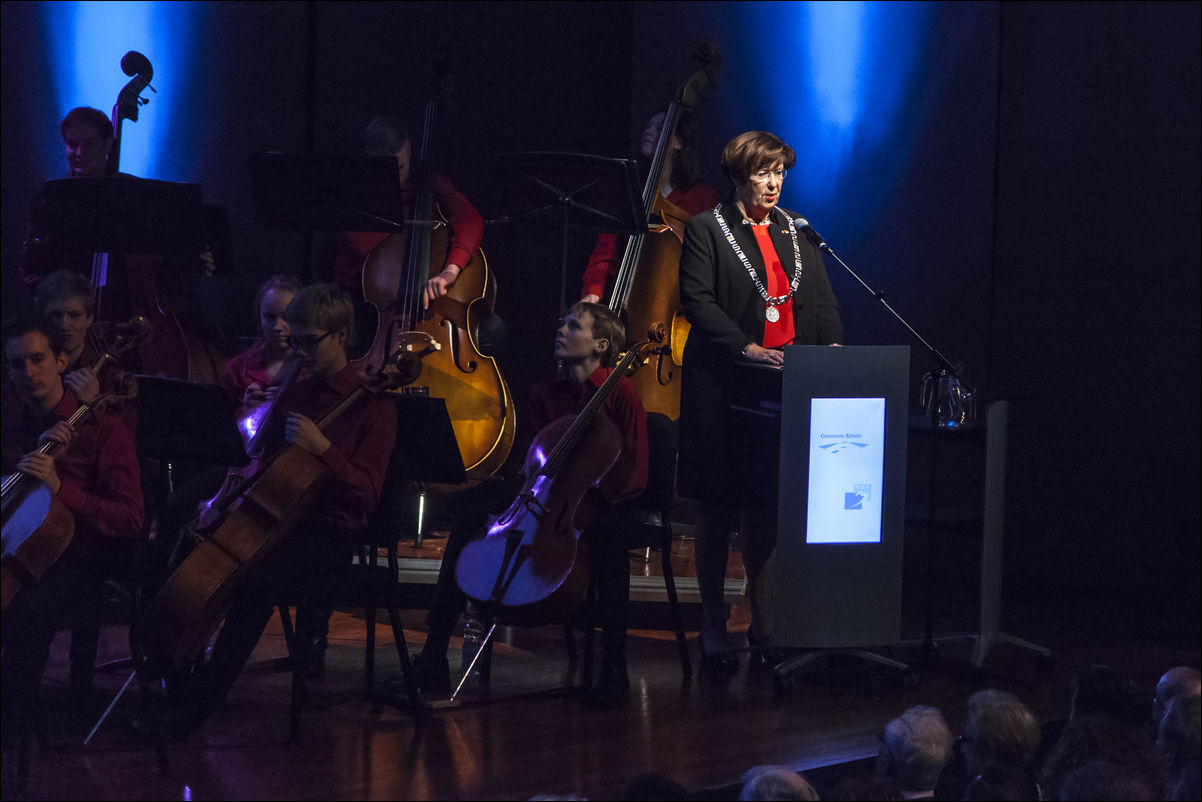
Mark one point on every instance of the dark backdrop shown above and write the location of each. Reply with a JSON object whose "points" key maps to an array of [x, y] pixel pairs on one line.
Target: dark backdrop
{"points": [[1038, 219]]}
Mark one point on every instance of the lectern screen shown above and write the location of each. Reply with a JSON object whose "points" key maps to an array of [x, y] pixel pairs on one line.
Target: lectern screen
{"points": [[847, 459]]}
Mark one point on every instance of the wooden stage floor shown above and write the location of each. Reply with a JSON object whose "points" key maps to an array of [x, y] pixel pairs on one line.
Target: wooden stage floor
{"points": [[520, 737]]}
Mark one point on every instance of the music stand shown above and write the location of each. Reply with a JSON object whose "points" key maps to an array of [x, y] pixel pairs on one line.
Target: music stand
{"points": [[181, 420], [573, 191], [123, 214], [326, 192], [426, 452]]}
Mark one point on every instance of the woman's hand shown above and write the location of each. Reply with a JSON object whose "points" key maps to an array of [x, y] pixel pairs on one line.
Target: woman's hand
{"points": [[437, 286], [766, 356]]}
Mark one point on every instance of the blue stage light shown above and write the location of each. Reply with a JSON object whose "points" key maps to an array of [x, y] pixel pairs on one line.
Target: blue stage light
{"points": [[838, 83], [88, 40]]}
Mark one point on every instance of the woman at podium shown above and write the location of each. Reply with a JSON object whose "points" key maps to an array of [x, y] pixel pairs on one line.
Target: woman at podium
{"points": [[749, 285]]}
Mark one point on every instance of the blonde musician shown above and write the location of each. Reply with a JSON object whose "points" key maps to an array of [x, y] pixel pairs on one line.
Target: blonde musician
{"points": [[355, 449]]}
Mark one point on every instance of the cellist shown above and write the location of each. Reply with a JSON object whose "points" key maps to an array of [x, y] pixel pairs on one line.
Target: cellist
{"points": [[678, 184], [388, 136], [99, 482], [587, 346], [355, 448]]}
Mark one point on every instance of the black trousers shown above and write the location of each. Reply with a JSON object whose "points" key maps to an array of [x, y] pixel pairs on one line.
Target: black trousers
{"points": [[289, 575], [75, 584]]}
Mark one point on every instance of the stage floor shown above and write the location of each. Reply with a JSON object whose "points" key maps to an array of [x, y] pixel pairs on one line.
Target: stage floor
{"points": [[527, 733]]}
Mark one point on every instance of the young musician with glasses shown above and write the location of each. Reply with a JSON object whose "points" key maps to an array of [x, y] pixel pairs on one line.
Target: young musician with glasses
{"points": [[355, 449]]}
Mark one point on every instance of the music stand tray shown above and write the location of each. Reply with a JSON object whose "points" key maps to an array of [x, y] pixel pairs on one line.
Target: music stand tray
{"points": [[326, 191], [426, 448], [124, 214], [180, 420]]}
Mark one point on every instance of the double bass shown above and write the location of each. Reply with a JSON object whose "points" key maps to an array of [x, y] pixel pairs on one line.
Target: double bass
{"points": [[646, 293], [439, 345], [176, 348], [37, 527], [531, 567]]}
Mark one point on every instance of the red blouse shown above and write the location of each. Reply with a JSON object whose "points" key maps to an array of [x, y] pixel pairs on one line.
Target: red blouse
{"points": [[781, 332]]}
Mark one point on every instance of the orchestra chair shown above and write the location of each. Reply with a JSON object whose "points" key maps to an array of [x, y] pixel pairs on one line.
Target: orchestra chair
{"points": [[652, 532], [365, 583]]}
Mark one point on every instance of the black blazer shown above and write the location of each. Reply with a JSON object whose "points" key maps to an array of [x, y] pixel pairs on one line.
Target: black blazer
{"points": [[720, 300], [725, 457]]}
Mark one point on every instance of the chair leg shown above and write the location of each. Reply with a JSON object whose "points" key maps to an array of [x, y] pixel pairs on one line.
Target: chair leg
{"points": [[590, 606], [300, 691], [686, 664], [286, 624], [402, 653], [369, 655]]}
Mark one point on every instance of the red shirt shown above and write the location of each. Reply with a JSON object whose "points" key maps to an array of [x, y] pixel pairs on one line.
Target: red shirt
{"points": [[361, 444], [554, 398], [781, 332], [603, 264], [467, 231], [243, 370], [101, 478]]}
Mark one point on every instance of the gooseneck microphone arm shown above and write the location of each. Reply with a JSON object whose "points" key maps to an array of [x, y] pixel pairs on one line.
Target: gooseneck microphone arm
{"points": [[803, 225]]}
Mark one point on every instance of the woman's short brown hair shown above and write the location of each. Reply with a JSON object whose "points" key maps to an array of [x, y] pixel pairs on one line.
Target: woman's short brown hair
{"points": [[753, 151]]}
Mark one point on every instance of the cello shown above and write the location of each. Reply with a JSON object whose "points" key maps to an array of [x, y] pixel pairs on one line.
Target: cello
{"points": [[531, 567], [37, 527], [439, 345], [646, 292], [259, 515]]}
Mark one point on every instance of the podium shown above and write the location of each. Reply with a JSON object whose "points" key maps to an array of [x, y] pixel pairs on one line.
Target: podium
{"points": [[844, 427]]}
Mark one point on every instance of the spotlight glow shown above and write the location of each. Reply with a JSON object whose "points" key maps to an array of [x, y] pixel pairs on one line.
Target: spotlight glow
{"points": [[88, 40]]}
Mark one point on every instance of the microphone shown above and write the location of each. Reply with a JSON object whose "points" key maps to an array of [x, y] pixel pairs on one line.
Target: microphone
{"points": [[803, 225]]}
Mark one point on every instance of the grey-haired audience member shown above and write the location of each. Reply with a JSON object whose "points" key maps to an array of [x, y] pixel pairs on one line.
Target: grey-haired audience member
{"points": [[914, 749], [775, 782]]}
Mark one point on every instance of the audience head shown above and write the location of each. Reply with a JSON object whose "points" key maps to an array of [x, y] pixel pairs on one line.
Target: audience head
{"points": [[1101, 690], [1127, 751], [775, 782], [915, 747], [1179, 681], [1000, 730], [654, 787], [1178, 739], [1103, 780]]}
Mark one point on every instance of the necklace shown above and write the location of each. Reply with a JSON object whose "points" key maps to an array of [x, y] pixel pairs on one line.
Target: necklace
{"points": [[771, 313]]}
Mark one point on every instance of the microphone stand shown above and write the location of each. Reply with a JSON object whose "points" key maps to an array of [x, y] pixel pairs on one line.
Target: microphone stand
{"points": [[928, 651]]}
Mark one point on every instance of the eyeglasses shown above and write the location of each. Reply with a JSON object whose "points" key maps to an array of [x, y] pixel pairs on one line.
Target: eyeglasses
{"points": [[762, 176], [306, 344]]}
